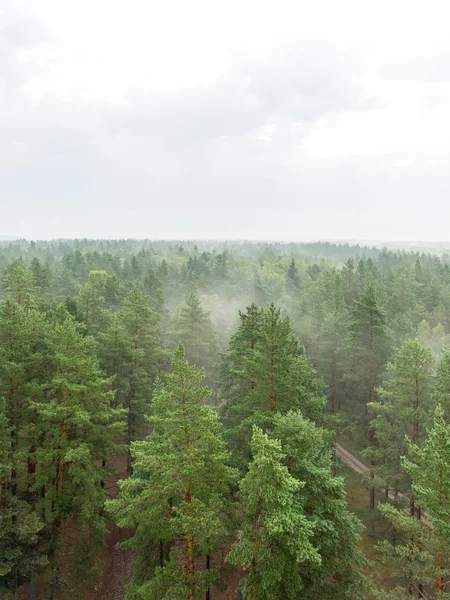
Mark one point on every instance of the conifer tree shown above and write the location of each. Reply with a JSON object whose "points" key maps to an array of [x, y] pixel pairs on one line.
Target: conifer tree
{"points": [[441, 393], [241, 346], [20, 364], [130, 351], [421, 559], [76, 427], [192, 326], [368, 334], [293, 279], [179, 487], [307, 449], [333, 336], [404, 409], [276, 536], [20, 283], [90, 306], [154, 290], [274, 376], [429, 469]]}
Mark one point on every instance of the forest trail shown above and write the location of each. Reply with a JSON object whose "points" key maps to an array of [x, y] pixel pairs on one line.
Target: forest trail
{"points": [[356, 465], [350, 460]]}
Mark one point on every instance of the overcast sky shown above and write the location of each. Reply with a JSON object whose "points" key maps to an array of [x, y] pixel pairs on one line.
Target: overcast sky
{"points": [[225, 119]]}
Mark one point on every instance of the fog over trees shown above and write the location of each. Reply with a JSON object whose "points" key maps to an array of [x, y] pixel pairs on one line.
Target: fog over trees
{"points": [[183, 400]]}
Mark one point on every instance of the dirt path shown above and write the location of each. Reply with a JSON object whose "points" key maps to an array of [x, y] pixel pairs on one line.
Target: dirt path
{"points": [[351, 461], [356, 465]]}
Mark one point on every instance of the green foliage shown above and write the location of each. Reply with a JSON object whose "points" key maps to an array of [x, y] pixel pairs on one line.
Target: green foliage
{"points": [[130, 352], [179, 488], [276, 536], [404, 409], [192, 326], [423, 554], [265, 372], [75, 427], [348, 305], [336, 531]]}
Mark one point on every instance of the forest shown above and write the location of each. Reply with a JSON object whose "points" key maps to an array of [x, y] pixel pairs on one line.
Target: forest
{"points": [[175, 417]]}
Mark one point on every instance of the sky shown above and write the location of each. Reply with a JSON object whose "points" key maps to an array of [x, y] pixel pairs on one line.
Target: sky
{"points": [[247, 119]]}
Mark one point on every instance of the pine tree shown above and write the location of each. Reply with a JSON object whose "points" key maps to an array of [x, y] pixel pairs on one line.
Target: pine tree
{"points": [[20, 283], [404, 409], [429, 469], [76, 427], [422, 558], [274, 376], [20, 363], [130, 352], [90, 306], [276, 536], [333, 337], [154, 290], [442, 387], [307, 449], [179, 487], [368, 333], [192, 326]]}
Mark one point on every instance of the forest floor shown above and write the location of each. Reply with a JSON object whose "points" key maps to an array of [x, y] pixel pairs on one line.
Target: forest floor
{"points": [[357, 496]]}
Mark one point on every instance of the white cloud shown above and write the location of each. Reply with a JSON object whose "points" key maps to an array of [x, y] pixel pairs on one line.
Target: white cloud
{"points": [[312, 120]]}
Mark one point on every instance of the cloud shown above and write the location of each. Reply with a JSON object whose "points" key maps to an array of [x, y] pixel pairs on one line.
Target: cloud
{"points": [[112, 128]]}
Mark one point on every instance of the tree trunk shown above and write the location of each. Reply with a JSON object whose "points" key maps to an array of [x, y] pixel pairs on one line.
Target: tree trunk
{"points": [[208, 567], [372, 482], [190, 563], [372, 441], [32, 588], [334, 404], [440, 578]]}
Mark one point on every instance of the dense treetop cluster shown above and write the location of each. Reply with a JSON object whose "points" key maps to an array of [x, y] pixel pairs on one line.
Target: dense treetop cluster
{"points": [[222, 373]]}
